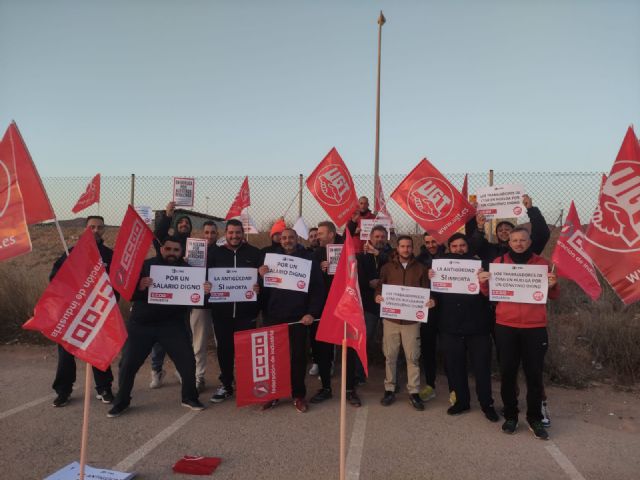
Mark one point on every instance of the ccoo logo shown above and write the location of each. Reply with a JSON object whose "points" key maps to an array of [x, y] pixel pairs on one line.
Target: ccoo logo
{"points": [[430, 199]]}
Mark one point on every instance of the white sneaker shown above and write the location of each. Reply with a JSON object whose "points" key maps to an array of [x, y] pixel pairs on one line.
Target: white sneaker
{"points": [[314, 370], [156, 379], [546, 418]]}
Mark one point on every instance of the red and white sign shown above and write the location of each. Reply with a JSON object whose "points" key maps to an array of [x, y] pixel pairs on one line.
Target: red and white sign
{"points": [[332, 186], [367, 224], [517, 283], [430, 199], [132, 245], [242, 201], [90, 196], [196, 252], [184, 191], [613, 236], [287, 272], [334, 250], [263, 368], [571, 260], [177, 285], [233, 285], [405, 303], [501, 201], [78, 309], [455, 276]]}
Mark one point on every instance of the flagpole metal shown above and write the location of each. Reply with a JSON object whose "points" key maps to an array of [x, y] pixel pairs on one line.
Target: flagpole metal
{"points": [[343, 407], [376, 168]]}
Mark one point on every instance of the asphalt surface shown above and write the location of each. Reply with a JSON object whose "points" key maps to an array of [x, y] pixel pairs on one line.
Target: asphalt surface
{"points": [[595, 433]]}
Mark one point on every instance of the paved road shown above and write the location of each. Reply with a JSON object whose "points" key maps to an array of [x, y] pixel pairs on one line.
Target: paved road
{"points": [[595, 434]]}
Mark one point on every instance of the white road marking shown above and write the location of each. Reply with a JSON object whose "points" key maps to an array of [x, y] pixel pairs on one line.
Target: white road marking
{"points": [[26, 406], [564, 462], [356, 445], [148, 447]]}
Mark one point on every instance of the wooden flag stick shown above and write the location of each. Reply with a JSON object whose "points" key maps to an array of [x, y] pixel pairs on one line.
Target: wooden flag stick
{"points": [[85, 419], [343, 406]]}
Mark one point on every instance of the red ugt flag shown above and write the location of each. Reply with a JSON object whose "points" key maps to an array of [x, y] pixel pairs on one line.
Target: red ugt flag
{"points": [[332, 186], [132, 245], [380, 202], [242, 200], [344, 305], [613, 236], [430, 199], [14, 234], [263, 365], [465, 187], [571, 259], [90, 196], [37, 207], [78, 309]]}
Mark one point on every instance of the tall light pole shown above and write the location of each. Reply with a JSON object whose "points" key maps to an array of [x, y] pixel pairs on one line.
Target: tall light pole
{"points": [[376, 169]]}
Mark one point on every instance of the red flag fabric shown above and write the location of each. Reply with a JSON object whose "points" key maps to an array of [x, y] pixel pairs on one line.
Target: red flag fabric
{"points": [[344, 306], [613, 236], [430, 199], [37, 207], [132, 244], [14, 234], [242, 200], [78, 309], [570, 258], [465, 187], [332, 186], [90, 196], [263, 365], [380, 201]]}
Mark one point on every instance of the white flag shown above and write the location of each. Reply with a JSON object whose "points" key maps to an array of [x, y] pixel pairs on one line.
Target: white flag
{"points": [[301, 228]]}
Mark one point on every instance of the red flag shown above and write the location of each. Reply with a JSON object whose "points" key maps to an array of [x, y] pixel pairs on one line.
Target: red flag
{"points": [[37, 207], [78, 309], [14, 234], [571, 259], [263, 365], [332, 186], [380, 201], [613, 236], [344, 306], [430, 199], [242, 200], [132, 245], [90, 196], [465, 187]]}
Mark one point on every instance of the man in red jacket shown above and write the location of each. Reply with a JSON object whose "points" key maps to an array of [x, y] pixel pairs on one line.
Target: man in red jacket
{"points": [[521, 336]]}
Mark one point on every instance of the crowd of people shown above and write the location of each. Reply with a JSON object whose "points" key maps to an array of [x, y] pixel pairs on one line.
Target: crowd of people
{"points": [[463, 327]]}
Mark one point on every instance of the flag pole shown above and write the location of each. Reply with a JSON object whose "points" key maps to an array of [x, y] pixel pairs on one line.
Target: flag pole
{"points": [[85, 419], [343, 406], [376, 168]]}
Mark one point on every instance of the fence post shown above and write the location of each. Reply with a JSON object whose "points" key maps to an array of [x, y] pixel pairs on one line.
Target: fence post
{"points": [[133, 189], [492, 223], [300, 197]]}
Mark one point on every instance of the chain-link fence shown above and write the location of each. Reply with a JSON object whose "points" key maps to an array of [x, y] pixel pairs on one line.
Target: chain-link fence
{"points": [[272, 197]]}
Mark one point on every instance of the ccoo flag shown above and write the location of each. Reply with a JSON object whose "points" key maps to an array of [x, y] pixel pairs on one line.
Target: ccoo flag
{"points": [[90, 196], [242, 200]]}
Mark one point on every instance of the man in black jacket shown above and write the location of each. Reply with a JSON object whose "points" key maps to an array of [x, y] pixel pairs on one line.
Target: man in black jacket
{"points": [[66, 371], [232, 317], [156, 323]]}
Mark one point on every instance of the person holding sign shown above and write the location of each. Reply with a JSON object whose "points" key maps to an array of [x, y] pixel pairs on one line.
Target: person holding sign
{"points": [[465, 328], [404, 270], [521, 337], [158, 323], [363, 213], [239, 259]]}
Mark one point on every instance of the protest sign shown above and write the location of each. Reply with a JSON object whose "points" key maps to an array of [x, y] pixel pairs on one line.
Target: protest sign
{"points": [[333, 255], [72, 471], [501, 201], [145, 212], [233, 284], [177, 285], [196, 252], [518, 283], [456, 276], [404, 303], [184, 190], [366, 224], [287, 273]]}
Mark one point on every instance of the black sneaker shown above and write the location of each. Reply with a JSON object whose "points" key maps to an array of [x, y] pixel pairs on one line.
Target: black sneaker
{"points": [[538, 430], [193, 404], [61, 400], [117, 410], [322, 395], [388, 399], [105, 396], [510, 426], [457, 409], [491, 414], [354, 399], [416, 401], [221, 394]]}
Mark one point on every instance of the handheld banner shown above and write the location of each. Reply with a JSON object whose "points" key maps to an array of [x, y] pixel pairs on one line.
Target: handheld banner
{"points": [[287, 272], [516, 283], [455, 276], [184, 190], [501, 201], [233, 284], [177, 285], [405, 303]]}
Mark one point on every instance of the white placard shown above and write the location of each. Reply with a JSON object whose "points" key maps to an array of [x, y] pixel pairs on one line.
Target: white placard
{"points": [[366, 224], [196, 252], [518, 283], [456, 276], [177, 285], [405, 303], [72, 472], [233, 284], [333, 256], [287, 273], [501, 201], [184, 190], [145, 213]]}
